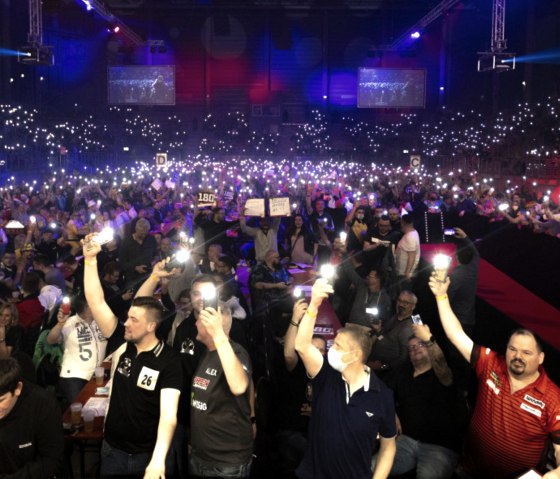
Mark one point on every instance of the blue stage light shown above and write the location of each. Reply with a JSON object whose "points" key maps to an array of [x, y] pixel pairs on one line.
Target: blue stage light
{"points": [[13, 53]]}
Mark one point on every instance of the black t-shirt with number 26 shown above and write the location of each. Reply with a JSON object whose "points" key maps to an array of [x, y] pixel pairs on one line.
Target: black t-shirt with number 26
{"points": [[134, 408]]}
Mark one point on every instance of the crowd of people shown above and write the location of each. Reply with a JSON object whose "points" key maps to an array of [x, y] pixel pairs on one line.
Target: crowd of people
{"points": [[192, 334], [518, 140]]}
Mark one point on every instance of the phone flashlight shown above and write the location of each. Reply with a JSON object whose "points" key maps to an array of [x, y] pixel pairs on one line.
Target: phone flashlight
{"points": [[209, 297], [105, 236], [441, 264], [327, 272], [65, 305], [178, 260]]}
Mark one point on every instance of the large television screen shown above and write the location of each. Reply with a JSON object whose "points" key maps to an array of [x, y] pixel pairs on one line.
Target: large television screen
{"points": [[141, 85], [391, 88]]}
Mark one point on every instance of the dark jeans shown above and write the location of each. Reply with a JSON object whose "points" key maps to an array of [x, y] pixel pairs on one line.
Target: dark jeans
{"points": [[429, 460], [198, 468], [71, 387], [115, 462], [291, 449], [178, 451]]}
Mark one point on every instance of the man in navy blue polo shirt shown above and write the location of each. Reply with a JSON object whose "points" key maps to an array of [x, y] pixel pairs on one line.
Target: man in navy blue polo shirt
{"points": [[350, 405]]}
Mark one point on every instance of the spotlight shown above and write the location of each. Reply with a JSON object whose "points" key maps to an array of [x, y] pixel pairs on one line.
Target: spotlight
{"points": [[415, 35], [114, 29]]}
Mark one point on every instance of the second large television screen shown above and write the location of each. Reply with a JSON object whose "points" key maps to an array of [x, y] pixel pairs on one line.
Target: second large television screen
{"points": [[391, 88], [141, 85]]}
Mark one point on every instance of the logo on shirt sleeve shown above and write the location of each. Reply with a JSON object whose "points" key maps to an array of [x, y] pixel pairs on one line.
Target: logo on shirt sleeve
{"points": [[147, 379], [492, 386]]}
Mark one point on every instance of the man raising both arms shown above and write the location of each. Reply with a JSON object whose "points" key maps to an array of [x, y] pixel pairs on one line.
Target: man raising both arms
{"points": [[350, 404], [517, 408]]}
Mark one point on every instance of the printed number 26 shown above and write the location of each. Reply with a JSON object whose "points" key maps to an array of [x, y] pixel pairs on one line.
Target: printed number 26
{"points": [[147, 381]]}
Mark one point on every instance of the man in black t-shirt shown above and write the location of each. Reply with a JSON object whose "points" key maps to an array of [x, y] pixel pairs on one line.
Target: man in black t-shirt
{"points": [[142, 412], [431, 418], [293, 403], [221, 430], [322, 225]]}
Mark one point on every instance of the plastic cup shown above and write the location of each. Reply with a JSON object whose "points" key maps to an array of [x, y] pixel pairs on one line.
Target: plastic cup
{"points": [[89, 417], [76, 413], [99, 376]]}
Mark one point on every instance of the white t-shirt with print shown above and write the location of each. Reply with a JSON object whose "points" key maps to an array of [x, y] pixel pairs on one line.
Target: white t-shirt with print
{"points": [[84, 348]]}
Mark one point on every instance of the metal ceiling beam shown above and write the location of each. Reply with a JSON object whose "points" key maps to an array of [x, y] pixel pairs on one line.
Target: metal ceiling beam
{"points": [[426, 20], [106, 14]]}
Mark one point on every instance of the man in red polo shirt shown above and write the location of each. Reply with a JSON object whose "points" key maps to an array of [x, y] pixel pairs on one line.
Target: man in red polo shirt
{"points": [[517, 408]]}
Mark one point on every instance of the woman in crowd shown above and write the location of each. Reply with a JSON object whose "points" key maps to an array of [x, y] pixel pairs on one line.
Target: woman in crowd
{"points": [[84, 347], [10, 332], [300, 242]]}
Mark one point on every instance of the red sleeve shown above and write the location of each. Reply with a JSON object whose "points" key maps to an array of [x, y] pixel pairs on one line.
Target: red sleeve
{"points": [[553, 422], [481, 357]]}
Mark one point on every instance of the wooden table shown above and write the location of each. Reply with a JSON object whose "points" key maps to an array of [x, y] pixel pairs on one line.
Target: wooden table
{"points": [[80, 437]]}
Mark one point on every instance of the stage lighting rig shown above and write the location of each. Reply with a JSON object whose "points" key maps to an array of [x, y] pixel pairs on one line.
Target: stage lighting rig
{"points": [[415, 32], [35, 53], [497, 59], [114, 22]]}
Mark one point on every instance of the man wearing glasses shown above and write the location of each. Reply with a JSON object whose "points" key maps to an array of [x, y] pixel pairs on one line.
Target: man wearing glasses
{"points": [[392, 338], [430, 419]]}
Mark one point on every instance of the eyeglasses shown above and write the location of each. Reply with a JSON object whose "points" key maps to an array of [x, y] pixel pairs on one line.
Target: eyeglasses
{"points": [[415, 347], [408, 303]]}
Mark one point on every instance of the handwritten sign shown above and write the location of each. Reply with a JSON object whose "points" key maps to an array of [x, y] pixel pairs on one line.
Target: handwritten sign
{"points": [[254, 207], [157, 184], [280, 206]]}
